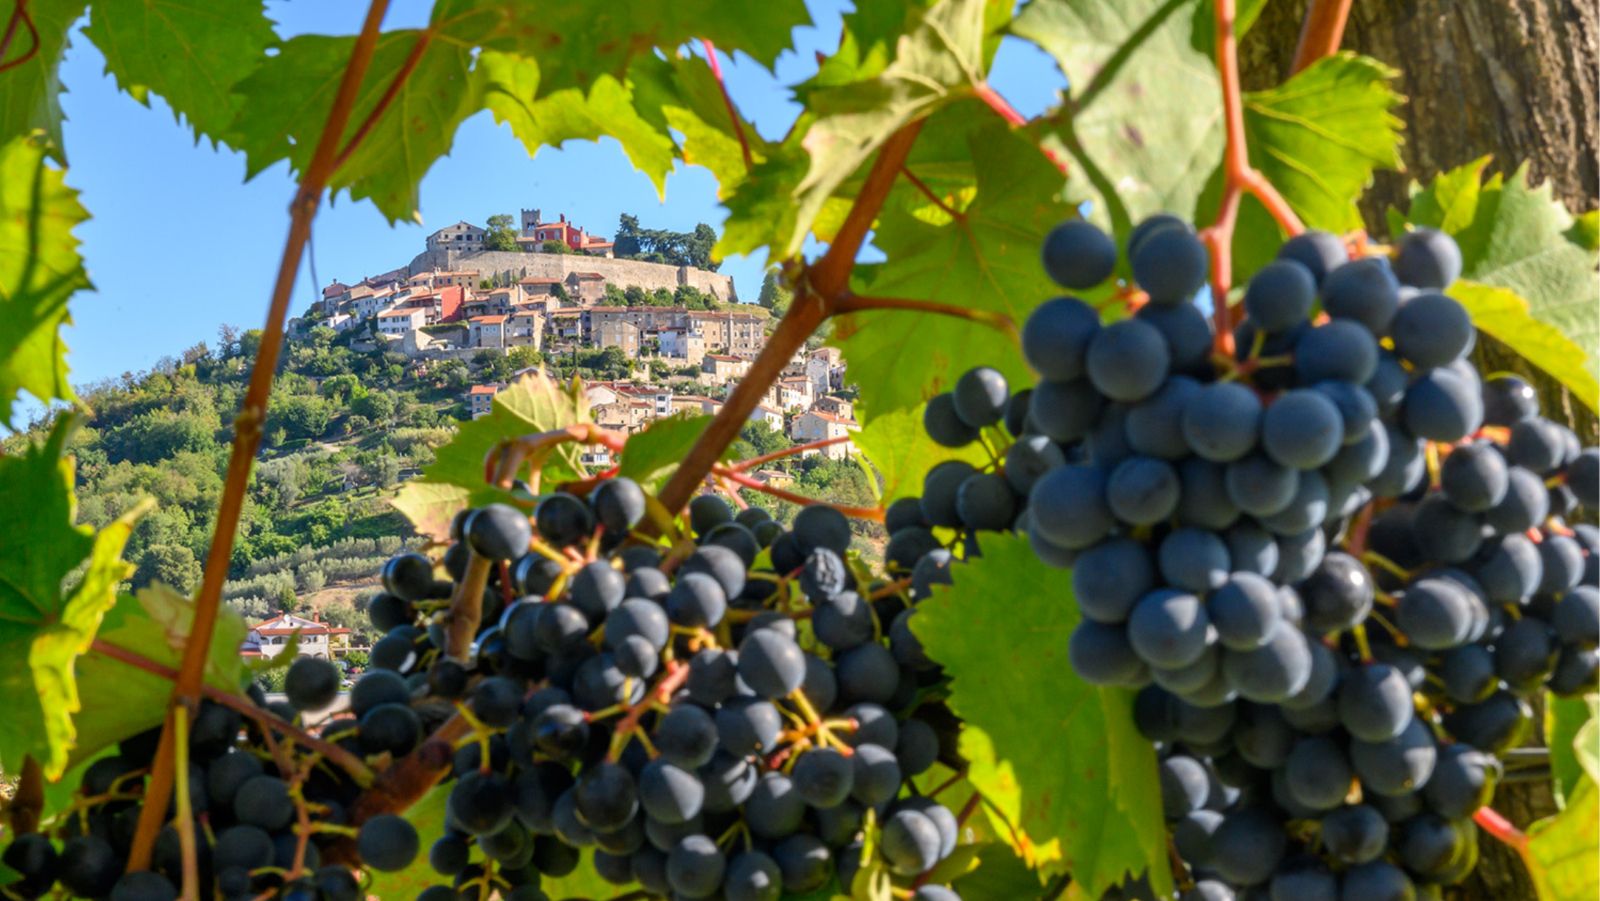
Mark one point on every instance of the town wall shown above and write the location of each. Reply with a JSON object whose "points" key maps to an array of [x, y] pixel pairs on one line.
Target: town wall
{"points": [[623, 273]]}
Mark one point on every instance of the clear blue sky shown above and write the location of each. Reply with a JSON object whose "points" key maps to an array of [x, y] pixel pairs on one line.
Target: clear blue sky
{"points": [[179, 243]]}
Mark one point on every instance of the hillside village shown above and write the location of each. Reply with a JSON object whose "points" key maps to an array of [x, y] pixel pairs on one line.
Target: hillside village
{"points": [[565, 292]]}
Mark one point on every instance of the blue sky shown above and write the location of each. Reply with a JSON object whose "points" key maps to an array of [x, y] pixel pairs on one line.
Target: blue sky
{"points": [[179, 243]]}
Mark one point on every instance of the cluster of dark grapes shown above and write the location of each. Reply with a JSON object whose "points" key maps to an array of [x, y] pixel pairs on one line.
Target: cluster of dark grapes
{"points": [[1335, 563], [246, 809], [661, 707]]}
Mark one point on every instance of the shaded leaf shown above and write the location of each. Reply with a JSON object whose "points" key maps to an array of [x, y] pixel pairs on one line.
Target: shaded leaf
{"points": [[286, 102], [48, 615], [1145, 118], [189, 52], [429, 506], [1563, 719], [682, 93], [1000, 874], [579, 42], [1056, 758], [31, 93], [900, 450], [650, 456], [1501, 313], [1561, 848], [120, 700], [512, 94], [1516, 236], [986, 259], [40, 270]]}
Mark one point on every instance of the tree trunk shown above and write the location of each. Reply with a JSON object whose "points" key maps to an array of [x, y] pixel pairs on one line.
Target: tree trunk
{"points": [[1512, 78]]}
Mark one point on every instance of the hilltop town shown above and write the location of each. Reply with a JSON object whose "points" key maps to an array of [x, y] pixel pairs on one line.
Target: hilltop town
{"points": [[564, 291]]}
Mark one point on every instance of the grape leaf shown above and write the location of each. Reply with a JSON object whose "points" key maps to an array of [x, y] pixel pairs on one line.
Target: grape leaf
{"points": [[650, 456], [512, 93], [1560, 854], [528, 406], [430, 506], [120, 700], [1000, 874], [579, 42], [1317, 137], [900, 450], [937, 62], [1517, 236], [57, 580], [1144, 121], [32, 96], [682, 93], [1563, 719], [1501, 313], [190, 53], [40, 269], [1058, 759], [286, 102], [987, 259]]}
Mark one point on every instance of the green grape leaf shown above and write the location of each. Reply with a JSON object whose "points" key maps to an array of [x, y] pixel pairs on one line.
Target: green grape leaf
{"points": [[32, 96], [1056, 759], [1560, 854], [57, 580], [191, 54], [900, 450], [512, 93], [120, 699], [1517, 236], [1144, 119], [936, 62], [1499, 312], [528, 406], [430, 506], [1318, 137], [40, 270], [1564, 718], [986, 259], [428, 816], [650, 456], [999, 874], [683, 95], [286, 102], [579, 42]]}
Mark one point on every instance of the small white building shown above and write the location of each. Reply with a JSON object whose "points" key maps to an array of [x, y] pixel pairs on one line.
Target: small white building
{"points": [[315, 638], [462, 236], [399, 321], [814, 425], [773, 419]]}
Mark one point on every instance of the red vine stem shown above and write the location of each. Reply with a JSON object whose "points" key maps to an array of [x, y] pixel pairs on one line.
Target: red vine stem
{"points": [[854, 303], [1238, 178], [753, 462], [874, 514], [19, 16], [819, 290], [927, 192], [727, 100], [1009, 113], [1490, 821], [265, 718], [247, 433], [1321, 33]]}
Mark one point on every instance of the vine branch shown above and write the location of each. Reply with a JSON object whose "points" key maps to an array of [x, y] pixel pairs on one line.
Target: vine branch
{"points": [[855, 303], [753, 462], [247, 434], [1321, 33], [1009, 113], [875, 514], [412, 59], [727, 100], [1238, 178]]}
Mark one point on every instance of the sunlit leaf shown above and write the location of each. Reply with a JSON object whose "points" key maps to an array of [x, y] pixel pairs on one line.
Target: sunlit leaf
{"points": [[1509, 318], [898, 447], [650, 456]]}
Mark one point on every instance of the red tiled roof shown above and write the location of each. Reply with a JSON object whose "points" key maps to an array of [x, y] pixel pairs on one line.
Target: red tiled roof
{"points": [[488, 320], [490, 390]]}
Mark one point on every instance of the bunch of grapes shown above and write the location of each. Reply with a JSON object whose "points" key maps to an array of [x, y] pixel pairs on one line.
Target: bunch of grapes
{"points": [[262, 809], [665, 710], [1335, 562]]}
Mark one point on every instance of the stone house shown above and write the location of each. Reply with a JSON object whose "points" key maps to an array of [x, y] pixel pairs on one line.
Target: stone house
{"points": [[720, 369], [814, 425], [480, 399], [316, 638], [487, 331], [462, 236], [525, 328], [733, 333], [398, 321]]}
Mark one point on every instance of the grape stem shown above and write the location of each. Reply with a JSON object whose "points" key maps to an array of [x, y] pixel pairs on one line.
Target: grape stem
{"points": [[854, 303], [677, 674], [1321, 32], [265, 718], [186, 848], [19, 16], [1490, 821], [753, 462], [1238, 178], [247, 433], [727, 101], [874, 514]]}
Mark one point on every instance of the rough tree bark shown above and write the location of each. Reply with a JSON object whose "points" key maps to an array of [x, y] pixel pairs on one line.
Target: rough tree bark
{"points": [[1512, 78]]}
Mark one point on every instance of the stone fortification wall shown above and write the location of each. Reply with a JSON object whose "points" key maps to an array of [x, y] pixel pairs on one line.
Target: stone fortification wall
{"points": [[649, 276]]}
